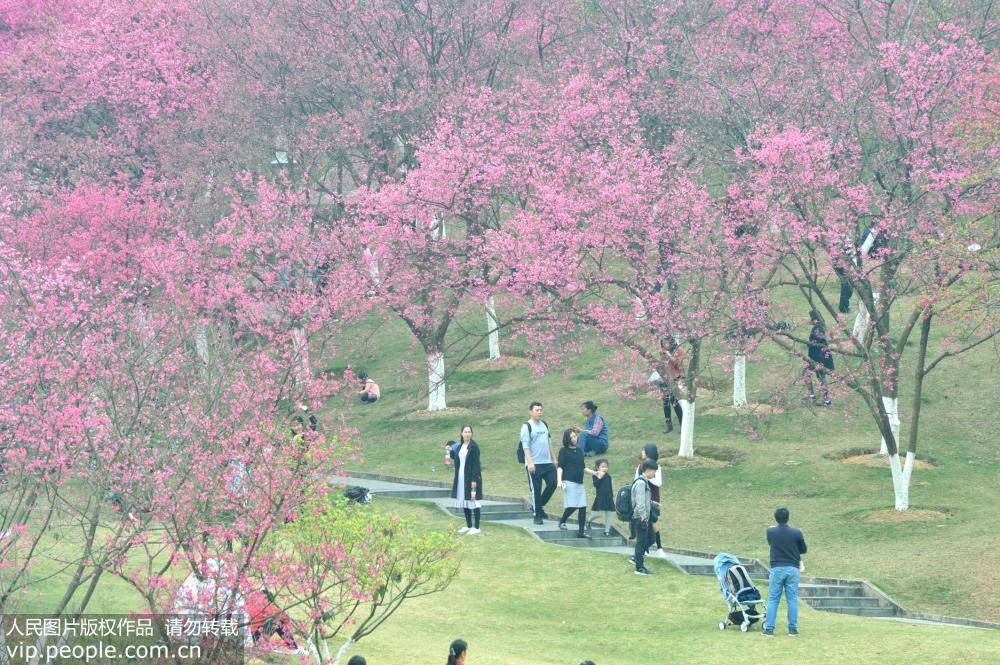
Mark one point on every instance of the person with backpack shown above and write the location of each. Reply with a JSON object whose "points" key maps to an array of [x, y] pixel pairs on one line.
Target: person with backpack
{"points": [[535, 452], [787, 547], [649, 452], [642, 514]]}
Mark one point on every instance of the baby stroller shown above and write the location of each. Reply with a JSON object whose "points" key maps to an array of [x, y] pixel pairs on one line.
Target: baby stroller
{"points": [[740, 593]]}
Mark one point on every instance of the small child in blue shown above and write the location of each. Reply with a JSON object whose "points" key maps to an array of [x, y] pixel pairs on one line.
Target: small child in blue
{"points": [[604, 495]]}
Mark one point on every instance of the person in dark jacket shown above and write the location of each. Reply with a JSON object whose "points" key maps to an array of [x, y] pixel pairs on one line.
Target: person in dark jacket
{"points": [[787, 547], [604, 495], [820, 358], [467, 486], [570, 470]]}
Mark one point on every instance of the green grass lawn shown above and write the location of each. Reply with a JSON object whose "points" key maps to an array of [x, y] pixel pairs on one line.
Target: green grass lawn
{"points": [[941, 565], [517, 600]]}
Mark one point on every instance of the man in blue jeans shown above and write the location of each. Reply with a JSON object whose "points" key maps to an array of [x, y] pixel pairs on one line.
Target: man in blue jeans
{"points": [[787, 547]]}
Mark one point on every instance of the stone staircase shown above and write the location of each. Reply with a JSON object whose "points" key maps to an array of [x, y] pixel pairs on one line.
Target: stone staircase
{"points": [[856, 597]]}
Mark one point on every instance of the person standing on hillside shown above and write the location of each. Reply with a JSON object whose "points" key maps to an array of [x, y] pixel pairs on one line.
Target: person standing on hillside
{"points": [[674, 365], [467, 486], [539, 461], [569, 476], [649, 452], [642, 510], [787, 547], [593, 436], [820, 359]]}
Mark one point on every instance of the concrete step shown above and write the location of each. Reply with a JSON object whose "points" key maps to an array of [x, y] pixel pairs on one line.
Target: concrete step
{"points": [[597, 541], [865, 611], [823, 602], [496, 516], [488, 508], [429, 493], [810, 590]]}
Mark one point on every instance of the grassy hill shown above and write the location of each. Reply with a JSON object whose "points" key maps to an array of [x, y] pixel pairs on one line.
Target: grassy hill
{"points": [[933, 559], [520, 601]]}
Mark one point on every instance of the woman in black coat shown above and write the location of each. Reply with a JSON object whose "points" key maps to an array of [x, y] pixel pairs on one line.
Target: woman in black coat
{"points": [[820, 359], [467, 486]]}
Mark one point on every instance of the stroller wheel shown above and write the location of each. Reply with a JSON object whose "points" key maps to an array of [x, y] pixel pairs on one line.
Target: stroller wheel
{"points": [[745, 626], [722, 625]]}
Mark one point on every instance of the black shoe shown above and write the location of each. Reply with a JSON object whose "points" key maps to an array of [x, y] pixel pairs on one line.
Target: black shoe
{"points": [[544, 514], [539, 520], [562, 525], [793, 632], [669, 428], [607, 534], [767, 632], [643, 571], [827, 403], [584, 534]]}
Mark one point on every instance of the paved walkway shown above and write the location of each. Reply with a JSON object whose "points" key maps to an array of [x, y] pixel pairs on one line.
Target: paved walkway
{"points": [[857, 597]]}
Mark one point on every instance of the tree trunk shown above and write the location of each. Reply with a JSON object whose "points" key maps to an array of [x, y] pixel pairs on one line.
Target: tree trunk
{"points": [[435, 380], [639, 309], [201, 345], [863, 320], [300, 354], [687, 429], [373, 267], [343, 650], [891, 404], [902, 488], [739, 380], [491, 328]]}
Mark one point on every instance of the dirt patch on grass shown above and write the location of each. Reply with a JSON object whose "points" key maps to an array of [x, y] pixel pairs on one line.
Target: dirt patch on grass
{"points": [[487, 365], [450, 412], [869, 457], [911, 515], [706, 457], [750, 409], [883, 462]]}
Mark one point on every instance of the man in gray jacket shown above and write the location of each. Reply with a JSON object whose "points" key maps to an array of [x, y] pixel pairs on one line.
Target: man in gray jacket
{"points": [[642, 514]]}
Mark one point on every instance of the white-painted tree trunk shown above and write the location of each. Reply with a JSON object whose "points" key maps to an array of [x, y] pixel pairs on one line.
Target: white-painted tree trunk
{"points": [[901, 479], [639, 309], [863, 319], [300, 350], [435, 382], [892, 410], [373, 267], [491, 327], [739, 380], [687, 429], [343, 650], [439, 232]]}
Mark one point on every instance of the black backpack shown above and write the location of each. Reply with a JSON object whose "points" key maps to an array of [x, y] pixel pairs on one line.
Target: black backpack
{"points": [[520, 448], [623, 501]]}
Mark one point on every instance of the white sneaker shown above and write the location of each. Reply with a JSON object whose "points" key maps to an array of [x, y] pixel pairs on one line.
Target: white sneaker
{"points": [[473, 531], [660, 553], [464, 529]]}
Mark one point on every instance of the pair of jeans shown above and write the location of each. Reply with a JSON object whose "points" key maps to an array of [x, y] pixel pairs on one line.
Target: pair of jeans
{"points": [[591, 444], [643, 531], [783, 579], [543, 473]]}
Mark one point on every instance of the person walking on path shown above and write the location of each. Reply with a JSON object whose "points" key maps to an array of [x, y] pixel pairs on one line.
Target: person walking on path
{"points": [[604, 495], [593, 436], [538, 461], [820, 359], [569, 476], [467, 486], [642, 511], [787, 547], [649, 452]]}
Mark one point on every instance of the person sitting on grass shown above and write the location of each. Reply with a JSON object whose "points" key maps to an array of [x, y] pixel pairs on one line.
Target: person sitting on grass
{"points": [[787, 547], [593, 436], [370, 392]]}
